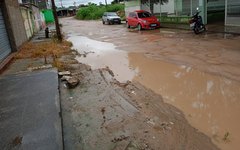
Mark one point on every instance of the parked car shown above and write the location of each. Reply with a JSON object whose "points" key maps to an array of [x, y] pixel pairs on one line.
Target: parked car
{"points": [[111, 18], [142, 20]]}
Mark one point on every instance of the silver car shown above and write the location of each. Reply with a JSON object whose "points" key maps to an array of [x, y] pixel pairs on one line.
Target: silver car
{"points": [[111, 18]]}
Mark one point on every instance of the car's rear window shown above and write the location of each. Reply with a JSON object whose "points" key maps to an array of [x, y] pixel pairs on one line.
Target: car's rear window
{"points": [[144, 15], [112, 14]]}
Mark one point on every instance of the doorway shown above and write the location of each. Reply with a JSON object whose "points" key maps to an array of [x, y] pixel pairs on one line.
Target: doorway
{"points": [[216, 12]]}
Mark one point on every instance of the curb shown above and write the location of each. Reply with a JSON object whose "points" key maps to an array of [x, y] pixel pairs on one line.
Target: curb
{"points": [[6, 62]]}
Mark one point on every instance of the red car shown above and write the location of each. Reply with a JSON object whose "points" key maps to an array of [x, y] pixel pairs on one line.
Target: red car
{"points": [[142, 20]]}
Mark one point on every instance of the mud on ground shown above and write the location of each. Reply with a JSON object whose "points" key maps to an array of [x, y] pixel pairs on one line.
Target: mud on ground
{"points": [[102, 113]]}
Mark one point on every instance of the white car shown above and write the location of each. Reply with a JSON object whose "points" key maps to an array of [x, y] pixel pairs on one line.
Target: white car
{"points": [[111, 18]]}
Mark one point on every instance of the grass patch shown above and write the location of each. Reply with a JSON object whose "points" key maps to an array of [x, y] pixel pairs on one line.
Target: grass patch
{"points": [[93, 12], [45, 50]]}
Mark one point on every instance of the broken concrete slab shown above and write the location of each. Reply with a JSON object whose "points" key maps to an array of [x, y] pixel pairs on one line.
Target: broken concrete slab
{"points": [[72, 82], [64, 73], [29, 111]]}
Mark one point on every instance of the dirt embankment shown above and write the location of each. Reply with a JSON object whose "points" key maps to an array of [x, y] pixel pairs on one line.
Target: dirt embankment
{"points": [[102, 113]]}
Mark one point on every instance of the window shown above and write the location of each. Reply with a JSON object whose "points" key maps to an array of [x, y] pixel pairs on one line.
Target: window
{"points": [[112, 14], [144, 15], [132, 14]]}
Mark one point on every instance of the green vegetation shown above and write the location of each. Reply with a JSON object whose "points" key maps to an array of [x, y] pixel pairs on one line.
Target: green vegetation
{"points": [[178, 19], [93, 12]]}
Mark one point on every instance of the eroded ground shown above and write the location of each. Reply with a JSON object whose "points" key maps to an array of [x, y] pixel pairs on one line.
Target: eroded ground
{"points": [[199, 74]]}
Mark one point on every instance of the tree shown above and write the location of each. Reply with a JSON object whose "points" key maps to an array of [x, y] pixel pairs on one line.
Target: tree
{"points": [[152, 2], [59, 35], [116, 1]]}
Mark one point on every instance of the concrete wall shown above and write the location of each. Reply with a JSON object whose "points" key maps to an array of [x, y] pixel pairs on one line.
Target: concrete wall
{"points": [[14, 23], [131, 5], [167, 8], [43, 24], [27, 20], [37, 19]]}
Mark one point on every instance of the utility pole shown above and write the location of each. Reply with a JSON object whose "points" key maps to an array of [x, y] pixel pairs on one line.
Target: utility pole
{"points": [[160, 10], [59, 35], [106, 3]]}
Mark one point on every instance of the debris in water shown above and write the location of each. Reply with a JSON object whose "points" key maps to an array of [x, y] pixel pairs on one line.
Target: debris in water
{"points": [[226, 137], [85, 53]]}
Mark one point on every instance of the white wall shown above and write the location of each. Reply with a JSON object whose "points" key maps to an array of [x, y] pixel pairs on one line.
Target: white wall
{"points": [[131, 9], [166, 8], [169, 7]]}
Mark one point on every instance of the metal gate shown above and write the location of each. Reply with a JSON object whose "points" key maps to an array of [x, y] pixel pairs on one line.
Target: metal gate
{"points": [[5, 48], [232, 14]]}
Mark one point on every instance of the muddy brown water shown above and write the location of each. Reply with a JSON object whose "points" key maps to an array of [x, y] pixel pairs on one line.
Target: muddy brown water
{"points": [[210, 102], [102, 54], [199, 76]]}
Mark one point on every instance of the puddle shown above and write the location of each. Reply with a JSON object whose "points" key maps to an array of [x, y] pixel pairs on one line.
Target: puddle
{"points": [[102, 54], [210, 103]]}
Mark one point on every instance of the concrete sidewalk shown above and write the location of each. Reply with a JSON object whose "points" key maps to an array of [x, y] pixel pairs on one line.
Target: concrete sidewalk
{"points": [[29, 111], [40, 36]]}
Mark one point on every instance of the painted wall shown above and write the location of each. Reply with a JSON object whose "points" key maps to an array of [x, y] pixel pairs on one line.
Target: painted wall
{"points": [[43, 23], [14, 22], [48, 14], [28, 22], [37, 18]]}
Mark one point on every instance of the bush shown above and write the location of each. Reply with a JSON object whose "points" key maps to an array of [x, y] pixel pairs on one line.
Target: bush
{"points": [[115, 7], [93, 12]]}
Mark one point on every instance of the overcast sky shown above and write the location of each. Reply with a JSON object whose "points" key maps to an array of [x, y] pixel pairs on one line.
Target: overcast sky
{"points": [[67, 3]]}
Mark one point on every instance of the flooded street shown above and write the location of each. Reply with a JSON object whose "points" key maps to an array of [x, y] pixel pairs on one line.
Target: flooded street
{"points": [[199, 74], [210, 102], [102, 54]]}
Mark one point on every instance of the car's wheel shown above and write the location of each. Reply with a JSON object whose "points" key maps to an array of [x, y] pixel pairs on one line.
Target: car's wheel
{"points": [[103, 22], [109, 22], [139, 27], [128, 26]]}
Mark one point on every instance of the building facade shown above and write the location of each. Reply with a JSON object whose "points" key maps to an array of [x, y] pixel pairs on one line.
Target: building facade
{"points": [[32, 16], [179, 11], [12, 33], [19, 20]]}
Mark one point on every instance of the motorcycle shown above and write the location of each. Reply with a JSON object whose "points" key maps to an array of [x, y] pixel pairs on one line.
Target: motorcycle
{"points": [[196, 23]]}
